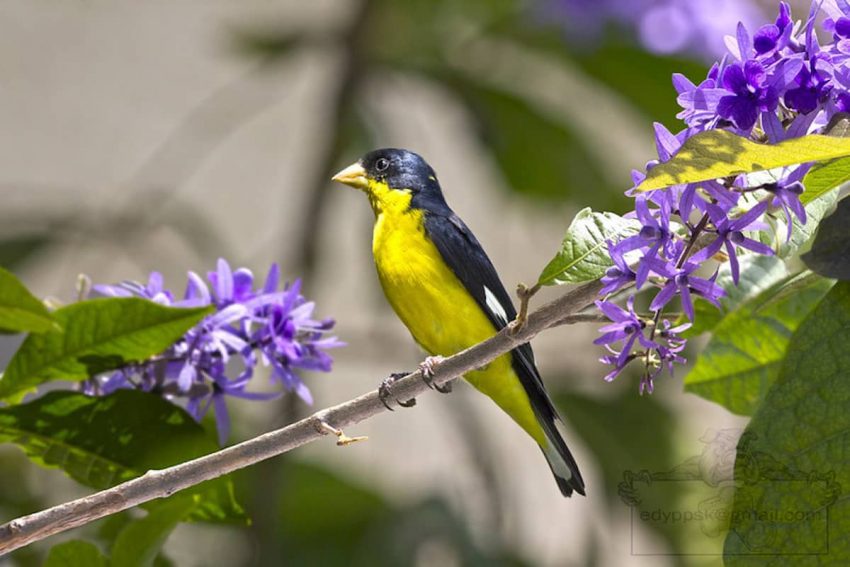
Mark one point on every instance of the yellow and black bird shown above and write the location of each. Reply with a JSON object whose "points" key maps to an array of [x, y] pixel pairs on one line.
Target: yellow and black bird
{"points": [[444, 288]]}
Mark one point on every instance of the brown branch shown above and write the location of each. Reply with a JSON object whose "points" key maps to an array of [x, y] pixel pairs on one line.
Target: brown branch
{"points": [[163, 483]]}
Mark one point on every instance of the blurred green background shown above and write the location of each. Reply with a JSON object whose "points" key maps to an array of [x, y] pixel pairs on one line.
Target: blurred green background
{"points": [[162, 135]]}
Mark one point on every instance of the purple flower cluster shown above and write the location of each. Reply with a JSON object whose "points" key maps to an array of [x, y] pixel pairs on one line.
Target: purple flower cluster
{"points": [[218, 356], [661, 26], [776, 83]]}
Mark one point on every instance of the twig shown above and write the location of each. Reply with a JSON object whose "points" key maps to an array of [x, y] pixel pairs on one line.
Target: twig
{"points": [[341, 438], [524, 294], [163, 483]]}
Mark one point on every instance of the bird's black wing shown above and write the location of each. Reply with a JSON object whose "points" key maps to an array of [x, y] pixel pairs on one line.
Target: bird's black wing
{"points": [[464, 255]]}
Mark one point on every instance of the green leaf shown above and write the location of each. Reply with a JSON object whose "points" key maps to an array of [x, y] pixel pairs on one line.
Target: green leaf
{"points": [[792, 469], [829, 255], [75, 553], [102, 441], [584, 255], [747, 346], [824, 177], [97, 335], [139, 543], [717, 153], [19, 309]]}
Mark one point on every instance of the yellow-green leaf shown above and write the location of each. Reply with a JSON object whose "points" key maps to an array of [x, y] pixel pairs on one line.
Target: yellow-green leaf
{"points": [[824, 177], [717, 153]]}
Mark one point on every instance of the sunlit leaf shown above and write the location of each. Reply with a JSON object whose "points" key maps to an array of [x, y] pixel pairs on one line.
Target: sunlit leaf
{"points": [[825, 177], [717, 153]]}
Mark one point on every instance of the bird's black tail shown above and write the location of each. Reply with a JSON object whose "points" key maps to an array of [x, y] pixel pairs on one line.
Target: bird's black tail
{"points": [[557, 454], [561, 461]]}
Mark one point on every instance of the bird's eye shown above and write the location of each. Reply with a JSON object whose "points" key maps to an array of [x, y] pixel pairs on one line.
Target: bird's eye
{"points": [[382, 164]]}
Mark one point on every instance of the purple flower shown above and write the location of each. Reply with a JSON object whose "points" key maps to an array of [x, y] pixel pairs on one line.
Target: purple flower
{"points": [[655, 235], [626, 325], [199, 369], [665, 356], [814, 83], [772, 37], [619, 275], [730, 234], [781, 79], [787, 197], [660, 350], [751, 94], [153, 290], [682, 281], [698, 101], [626, 328]]}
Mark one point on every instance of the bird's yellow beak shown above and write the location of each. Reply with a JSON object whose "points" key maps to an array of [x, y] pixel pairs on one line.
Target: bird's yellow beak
{"points": [[354, 175]]}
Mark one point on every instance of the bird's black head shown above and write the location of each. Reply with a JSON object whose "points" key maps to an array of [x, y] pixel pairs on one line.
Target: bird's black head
{"points": [[396, 179], [399, 169]]}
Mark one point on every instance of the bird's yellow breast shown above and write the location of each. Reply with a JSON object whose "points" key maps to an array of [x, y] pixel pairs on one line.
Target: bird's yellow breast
{"points": [[424, 292], [435, 306]]}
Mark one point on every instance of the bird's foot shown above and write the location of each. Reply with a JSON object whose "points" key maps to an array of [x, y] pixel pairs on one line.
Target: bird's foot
{"points": [[428, 366], [384, 393]]}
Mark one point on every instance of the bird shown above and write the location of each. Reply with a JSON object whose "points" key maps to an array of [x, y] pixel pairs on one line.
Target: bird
{"points": [[444, 288]]}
